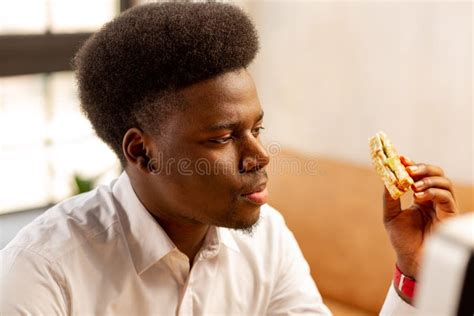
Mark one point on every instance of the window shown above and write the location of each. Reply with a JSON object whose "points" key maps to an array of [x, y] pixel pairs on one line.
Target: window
{"points": [[55, 16], [44, 138]]}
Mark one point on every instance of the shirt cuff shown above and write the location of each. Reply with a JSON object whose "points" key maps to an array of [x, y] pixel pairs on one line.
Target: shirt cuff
{"points": [[394, 305]]}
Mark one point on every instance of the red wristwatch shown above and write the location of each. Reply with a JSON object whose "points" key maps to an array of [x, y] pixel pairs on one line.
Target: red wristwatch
{"points": [[404, 284]]}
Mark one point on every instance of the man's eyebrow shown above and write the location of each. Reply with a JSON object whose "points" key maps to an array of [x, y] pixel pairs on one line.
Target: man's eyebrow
{"points": [[224, 125], [230, 125]]}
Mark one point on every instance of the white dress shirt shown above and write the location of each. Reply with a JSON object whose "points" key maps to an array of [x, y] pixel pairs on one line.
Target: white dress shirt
{"points": [[102, 253]]}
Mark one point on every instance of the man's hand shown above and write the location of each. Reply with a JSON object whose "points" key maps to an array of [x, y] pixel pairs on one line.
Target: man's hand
{"points": [[407, 229]]}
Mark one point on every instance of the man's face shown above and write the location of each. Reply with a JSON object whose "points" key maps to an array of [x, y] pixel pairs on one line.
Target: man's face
{"points": [[209, 155]]}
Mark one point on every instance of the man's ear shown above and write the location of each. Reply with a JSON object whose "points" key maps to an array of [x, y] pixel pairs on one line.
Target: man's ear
{"points": [[137, 149]]}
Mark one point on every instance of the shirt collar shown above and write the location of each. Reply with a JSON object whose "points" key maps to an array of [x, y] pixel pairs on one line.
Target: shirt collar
{"points": [[147, 241], [225, 237]]}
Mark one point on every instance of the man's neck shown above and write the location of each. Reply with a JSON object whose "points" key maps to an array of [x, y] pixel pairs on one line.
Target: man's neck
{"points": [[187, 237]]}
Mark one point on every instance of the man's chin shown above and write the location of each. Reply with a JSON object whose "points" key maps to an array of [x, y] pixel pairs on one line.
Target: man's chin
{"points": [[248, 230], [246, 222]]}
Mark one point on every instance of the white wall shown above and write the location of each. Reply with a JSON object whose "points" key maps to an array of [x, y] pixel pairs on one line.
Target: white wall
{"points": [[330, 74]]}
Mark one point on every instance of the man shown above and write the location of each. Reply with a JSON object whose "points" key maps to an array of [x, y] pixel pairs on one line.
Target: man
{"points": [[185, 229]]}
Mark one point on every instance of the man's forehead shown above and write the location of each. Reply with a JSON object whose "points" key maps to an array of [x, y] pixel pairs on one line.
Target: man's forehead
{"points": [[234, 86], [222, 102], [232, 122], [225, 116]]}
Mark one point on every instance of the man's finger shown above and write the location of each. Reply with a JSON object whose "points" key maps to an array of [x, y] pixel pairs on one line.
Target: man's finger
{"points": [[432, 182], [443, 198], [391, 208], [422, 170]]}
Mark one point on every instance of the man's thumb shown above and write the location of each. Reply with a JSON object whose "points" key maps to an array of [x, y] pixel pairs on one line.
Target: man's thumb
{"points": [[391, 207]]}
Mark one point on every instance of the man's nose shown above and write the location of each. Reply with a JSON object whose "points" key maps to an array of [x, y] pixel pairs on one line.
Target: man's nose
{"points": [[255, 156]]}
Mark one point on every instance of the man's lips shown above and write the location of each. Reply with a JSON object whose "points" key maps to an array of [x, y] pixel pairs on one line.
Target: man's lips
{"points": [[258, 195]]}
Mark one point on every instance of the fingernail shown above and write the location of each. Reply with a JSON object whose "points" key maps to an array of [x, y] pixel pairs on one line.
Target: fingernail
{"points": [[413, 168], [419, 194], [419, 184]]}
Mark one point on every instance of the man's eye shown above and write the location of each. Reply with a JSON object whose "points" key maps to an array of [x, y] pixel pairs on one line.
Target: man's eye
{"points": [[223, 140], [256, 131]]}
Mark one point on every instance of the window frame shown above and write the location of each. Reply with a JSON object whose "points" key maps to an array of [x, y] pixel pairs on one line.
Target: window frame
{"points": [[42, 53]]}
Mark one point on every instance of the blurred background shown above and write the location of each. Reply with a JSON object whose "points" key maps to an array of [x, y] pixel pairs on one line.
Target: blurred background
{"points": [[329, 74], [45, 139], [333, 73]]}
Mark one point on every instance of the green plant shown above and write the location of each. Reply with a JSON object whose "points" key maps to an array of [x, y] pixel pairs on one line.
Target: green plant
{"points": [[83, 184]]}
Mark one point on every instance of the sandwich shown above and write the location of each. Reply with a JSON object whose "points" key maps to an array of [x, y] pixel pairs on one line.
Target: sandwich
{"points": [[388, 165]]}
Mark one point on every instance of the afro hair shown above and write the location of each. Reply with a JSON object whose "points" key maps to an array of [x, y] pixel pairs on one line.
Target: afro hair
{"points": [[136, 63]]}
